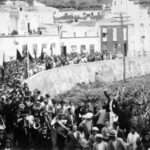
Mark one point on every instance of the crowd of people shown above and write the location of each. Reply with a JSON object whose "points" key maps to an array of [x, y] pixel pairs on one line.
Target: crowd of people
{"points": [[35, 121], [39, 122], [46, 62], [75, 58]]}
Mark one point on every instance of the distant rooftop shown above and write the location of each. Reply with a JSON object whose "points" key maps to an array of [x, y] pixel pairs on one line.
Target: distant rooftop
{"points": [[66, 9], [98, 17], [91, 9], [65, 17], [86, 23]]}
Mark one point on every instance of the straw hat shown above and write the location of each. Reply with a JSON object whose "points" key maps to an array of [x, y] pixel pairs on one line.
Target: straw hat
{"points": [[95, 129], [99, 136], [87, 116], [112, 133]]}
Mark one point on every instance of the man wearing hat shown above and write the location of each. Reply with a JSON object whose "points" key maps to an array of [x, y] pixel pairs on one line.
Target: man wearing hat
{"points": [[100, 144], [87, 122], [115, 143], [73, 139], [91, 140], [112, 107]]}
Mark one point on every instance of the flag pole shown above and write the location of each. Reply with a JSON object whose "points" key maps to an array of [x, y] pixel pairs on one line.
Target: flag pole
{"points": [[28, 61]]}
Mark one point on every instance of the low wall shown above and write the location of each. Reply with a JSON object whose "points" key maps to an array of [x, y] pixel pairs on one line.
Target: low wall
{"points": [[60, 80]]}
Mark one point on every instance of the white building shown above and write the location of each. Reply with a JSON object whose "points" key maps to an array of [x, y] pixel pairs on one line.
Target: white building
{"points": [[9, 45], [20, 17], [77, 13]]}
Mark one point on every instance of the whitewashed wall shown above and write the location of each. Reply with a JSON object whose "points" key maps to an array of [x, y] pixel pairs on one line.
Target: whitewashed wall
{"points": [[69, 42], [8, 46], [4, 23]]}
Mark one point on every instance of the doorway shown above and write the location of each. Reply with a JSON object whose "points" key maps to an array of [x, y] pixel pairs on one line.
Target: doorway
{"points": [[63, 50]]}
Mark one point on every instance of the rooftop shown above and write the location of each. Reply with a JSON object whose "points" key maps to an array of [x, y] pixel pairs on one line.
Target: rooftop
{"points": [[86, 23], [65, 17], [91, 9], [98, 17], [66, 9]]}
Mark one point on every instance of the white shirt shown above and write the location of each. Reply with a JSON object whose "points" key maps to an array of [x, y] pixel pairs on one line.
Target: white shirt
{"points": [[98, 146], [132, 139]]}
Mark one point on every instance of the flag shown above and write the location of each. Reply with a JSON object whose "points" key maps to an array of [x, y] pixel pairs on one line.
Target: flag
{"points": [[1, 59], [19, 57], [24, 51], [30, 57], [2, 65], [100, 77], [42, 55]]}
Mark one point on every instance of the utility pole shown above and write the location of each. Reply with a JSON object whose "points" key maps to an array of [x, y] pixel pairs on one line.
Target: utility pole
{"points": [[121, 21]]}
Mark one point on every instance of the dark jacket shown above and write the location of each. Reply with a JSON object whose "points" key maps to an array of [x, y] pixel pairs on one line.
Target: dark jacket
{"points": [[69, 121], [72, 142], [120, 134], [115, 105], [120, 145]]}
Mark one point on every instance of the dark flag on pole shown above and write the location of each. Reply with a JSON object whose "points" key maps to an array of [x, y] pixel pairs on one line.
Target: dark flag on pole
{"points": [[3, 67], [42, 55], [19, 57], [30, 57]]}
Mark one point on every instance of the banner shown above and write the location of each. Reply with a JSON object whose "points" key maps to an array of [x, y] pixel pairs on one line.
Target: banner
{"points": [[1, 58]]}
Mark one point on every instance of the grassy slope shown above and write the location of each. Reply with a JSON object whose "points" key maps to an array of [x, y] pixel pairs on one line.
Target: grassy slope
{"points": [[96, 89], [136, 94]]}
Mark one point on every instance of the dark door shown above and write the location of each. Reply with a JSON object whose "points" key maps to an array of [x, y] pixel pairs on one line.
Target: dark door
{"points": [[28, 27], [125, 49], [63, 50]]}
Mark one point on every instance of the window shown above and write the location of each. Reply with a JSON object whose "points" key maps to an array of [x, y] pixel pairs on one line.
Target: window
{"points": [[124, 34], [91, 13], [52, 47], [104, 34], [34, 46], [23, 27], [115, 45], [35, 50], [24, 50], [83, 49], [66, 14], [44, 45], [84, 14], [142, 32], [91, 48], [104, 47], [73, 48], [114, 34]]}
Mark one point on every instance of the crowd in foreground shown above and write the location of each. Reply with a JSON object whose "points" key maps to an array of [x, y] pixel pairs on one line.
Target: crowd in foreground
{"points": [[39, 122], [75, 58]]}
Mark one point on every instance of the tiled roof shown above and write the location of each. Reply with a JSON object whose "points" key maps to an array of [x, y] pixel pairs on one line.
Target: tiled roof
{"points": [[66, 9], [66, 17], [98, 17], [86, 23], [91, 9]]}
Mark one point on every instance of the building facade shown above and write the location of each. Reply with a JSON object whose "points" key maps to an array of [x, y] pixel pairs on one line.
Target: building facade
{"points": [[23, 19], [114, 39]]}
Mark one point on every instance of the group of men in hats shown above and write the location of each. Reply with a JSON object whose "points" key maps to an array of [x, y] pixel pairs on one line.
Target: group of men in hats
{"points": [[32, 118]]}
